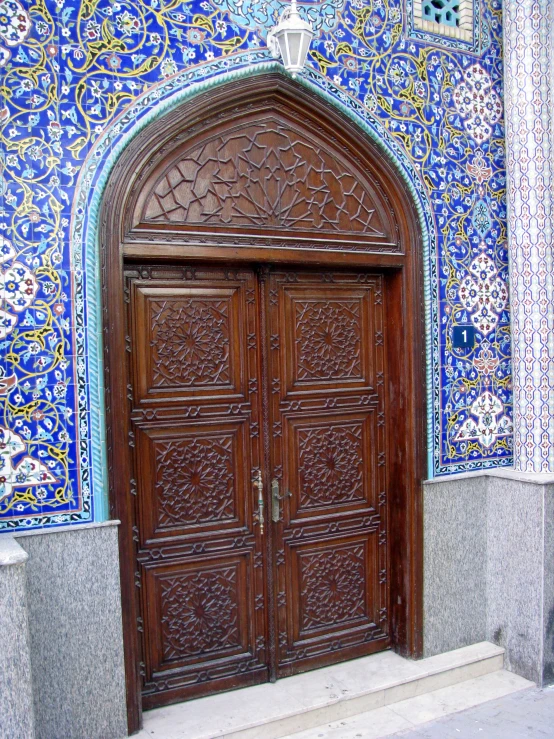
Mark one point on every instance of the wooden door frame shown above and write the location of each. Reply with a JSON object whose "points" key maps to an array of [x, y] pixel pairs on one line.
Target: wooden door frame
{"points": [[402, 267]]}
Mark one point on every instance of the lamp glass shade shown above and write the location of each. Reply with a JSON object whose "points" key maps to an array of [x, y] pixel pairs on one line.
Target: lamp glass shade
{"points": [[293, 36]]}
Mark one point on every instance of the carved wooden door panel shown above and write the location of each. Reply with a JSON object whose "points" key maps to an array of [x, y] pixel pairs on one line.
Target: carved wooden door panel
{"points": [[328, 452], [198, 338], [195, 423]]}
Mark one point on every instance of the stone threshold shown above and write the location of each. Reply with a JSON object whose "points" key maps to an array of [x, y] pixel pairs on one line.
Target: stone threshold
{"points": [[408, 715], [321, 697]]}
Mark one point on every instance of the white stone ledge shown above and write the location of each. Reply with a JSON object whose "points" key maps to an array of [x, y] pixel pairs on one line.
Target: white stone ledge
{"points": [[70, 528], [11, 553], [506, 473]]}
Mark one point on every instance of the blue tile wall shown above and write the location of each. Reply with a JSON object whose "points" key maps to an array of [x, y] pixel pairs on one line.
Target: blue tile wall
{"points": [[80, 78]]}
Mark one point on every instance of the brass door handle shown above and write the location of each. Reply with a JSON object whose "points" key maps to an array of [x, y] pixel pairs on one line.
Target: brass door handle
{"points": [[259, 516], [275, 499]]}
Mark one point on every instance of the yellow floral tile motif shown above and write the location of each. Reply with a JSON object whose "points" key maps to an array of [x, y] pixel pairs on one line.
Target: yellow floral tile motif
{"points": [[76, 76]]}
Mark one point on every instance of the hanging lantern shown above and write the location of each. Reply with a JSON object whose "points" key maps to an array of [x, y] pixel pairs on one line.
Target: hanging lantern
{"points": [[290, 39]]}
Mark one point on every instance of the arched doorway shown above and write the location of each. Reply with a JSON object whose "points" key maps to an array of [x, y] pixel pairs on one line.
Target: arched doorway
{"points": [[264, 348]]}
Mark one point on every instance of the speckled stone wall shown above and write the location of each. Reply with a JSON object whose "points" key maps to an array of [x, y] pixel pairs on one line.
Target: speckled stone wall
{"points": [[16, 697], [515, 560], [488, 572], [455, 567], [76, 640], [548, 660]]}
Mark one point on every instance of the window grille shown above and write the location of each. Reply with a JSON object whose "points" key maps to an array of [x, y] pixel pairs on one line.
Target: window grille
{"points": [[453, 18], [445, 12]]}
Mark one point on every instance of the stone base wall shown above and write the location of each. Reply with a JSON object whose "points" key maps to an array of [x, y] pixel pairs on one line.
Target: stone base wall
{"points": [[73, 608], [16, 696], [489, 567], [489, 575]]}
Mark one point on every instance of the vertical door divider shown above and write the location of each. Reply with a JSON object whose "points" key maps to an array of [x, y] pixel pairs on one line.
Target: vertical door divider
{"points": [[263, 274]]}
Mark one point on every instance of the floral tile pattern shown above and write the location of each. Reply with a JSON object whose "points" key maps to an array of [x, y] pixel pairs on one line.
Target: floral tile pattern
{"points": [[77, 76], [529, 101]]}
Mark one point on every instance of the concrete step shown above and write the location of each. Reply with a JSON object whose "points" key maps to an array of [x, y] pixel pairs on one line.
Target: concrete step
{"points": [[320, 697], [412, 713]]}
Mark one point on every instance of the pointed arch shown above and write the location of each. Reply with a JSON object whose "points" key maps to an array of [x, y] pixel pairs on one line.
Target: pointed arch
{"points": [[401, 245]]}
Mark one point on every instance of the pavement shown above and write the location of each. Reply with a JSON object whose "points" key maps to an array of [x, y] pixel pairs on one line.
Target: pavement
{"points": [[522, 715]]}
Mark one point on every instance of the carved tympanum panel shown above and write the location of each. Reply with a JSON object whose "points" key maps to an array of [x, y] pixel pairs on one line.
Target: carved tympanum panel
{"points": [[330, 464], [195, 479], [333, 586], [199, 613], [189, 342], [264, 174], [328, 339]]}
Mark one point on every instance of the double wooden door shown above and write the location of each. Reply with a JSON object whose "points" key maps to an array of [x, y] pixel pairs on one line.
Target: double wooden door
{"points": [[259, 432]]}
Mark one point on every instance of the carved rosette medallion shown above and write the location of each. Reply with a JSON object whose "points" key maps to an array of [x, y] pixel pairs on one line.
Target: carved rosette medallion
{"points": [[199, 613], [328, 340], [190, 342], [195, 480], [333, 587], [330, 465]]}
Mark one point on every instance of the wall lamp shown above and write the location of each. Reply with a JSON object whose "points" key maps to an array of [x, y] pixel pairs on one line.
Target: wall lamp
{"points": [[290, 39]]}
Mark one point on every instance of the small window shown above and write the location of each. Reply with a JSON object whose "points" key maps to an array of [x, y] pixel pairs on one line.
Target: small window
{"points": [[452, 18], [446, 12]]}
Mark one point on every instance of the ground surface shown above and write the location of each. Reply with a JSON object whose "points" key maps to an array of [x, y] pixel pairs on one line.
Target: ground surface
{"points": [[529, 713]]}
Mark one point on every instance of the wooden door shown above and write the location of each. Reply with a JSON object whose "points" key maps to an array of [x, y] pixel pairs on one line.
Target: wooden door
{"points": [[239, 379], [328, 458], [195, 420], [260, 171]]}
